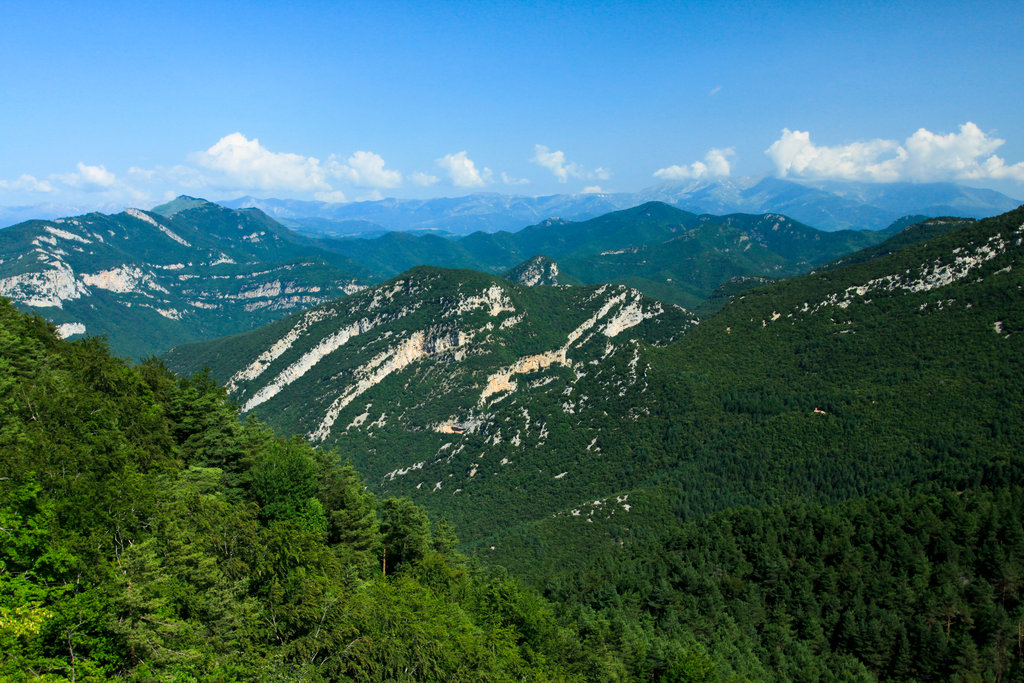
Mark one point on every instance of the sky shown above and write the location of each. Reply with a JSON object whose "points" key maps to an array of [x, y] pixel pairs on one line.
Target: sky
{"points": [[118, 104]]}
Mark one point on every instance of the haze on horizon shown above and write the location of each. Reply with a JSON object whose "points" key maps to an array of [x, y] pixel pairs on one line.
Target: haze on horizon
{"points": [[124, 104]]}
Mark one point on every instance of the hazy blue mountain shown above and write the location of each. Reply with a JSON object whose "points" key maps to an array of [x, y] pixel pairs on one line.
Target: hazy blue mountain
{"points": [[486, 212], [831, 205], [10, 215]]}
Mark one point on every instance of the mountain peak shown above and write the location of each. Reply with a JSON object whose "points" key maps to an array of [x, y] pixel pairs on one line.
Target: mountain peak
{"points": [[180, 203], [537, 271]]}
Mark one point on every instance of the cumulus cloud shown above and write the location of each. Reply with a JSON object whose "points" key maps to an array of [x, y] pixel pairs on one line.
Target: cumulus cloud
{"points": [[463, 172], [366, 169], [246, 163], [26, 183], [924, 156], [89, 178], [555, 162], [592, 189], [715, 165], [423, 179]]}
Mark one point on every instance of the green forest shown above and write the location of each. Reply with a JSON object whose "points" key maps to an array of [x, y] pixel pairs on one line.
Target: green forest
{"points": [[147, 534], [832, 493]]}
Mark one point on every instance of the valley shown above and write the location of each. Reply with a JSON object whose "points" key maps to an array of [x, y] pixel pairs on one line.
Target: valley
{"points": [[694, 481], [512, 342]]}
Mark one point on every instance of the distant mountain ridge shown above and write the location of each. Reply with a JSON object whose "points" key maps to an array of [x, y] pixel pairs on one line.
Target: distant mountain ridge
{"points": [[498, 405], [190, 269], [668, 253], [830, 205], [151, 279]]}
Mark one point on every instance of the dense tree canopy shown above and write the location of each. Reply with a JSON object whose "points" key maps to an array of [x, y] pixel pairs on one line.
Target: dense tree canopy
{"points": [[146, 533]]}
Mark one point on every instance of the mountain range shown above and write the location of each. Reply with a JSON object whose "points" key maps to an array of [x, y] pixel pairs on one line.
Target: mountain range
{"points": [[149, 279], [191, 270], [819, 480], [827, 205], [499, 406], [666, 252]]}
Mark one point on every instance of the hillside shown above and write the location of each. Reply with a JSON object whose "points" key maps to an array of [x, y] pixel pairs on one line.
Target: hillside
{"points": [[469, 384], [727, 411], [539, 271], [147, 534], [829, 206], [152, 279], [665, 252], [912, 358]]}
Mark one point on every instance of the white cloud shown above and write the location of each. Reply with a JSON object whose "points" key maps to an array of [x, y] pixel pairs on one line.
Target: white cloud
{"points": [[509, 180], [89, 178], [715, 165], [555, 162], [592, 189], [366, 169], [423, 179], [714, 91], [247, 164], [463, 172], [924, 156], [562, 169], [26, 183], [142, 173]]}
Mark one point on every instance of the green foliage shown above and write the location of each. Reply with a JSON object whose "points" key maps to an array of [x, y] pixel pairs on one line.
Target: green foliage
{"points": [[283, 480], [923, 587], [405, 531], [147, 534]]}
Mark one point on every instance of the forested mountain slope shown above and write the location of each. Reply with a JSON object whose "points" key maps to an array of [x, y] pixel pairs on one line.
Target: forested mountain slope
{"points": [[151, 279], [835, 385], [890, 389], [455, 382], [147, 534], [895, 371], [665, 252]]}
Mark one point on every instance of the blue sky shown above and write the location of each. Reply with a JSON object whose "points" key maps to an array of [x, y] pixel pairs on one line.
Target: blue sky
{"points": [[130, 103]]}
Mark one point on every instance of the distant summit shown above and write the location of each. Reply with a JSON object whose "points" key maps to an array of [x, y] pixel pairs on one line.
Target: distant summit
{"points": [[181, 203]]}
